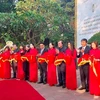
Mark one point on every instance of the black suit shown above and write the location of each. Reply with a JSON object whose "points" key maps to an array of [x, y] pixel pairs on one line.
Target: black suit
{"points": [[62, 70], [84, 69], [43, 68]]}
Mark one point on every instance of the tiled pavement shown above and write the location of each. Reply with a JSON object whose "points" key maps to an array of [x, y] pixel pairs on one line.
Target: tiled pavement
{"points": [[57, 93]]}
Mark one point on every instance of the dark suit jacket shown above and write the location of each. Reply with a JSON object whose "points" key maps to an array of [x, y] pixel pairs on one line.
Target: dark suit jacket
{"points": [[45, 50], [16, 50], [86, 51], [63, 49]]}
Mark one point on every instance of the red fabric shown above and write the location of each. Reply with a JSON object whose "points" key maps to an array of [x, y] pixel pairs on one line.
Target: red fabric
{"points": [[21, 51], [33, 51], [11, 56], [1, 67], [33, 69], [51, 74], [68, 59], [6, 65], [52, 51], [43, 57], [20, 71], [71, 81], [95, 80], [31, 58], [33, 75], [60, 56], [18, 90], [24, 58], [85, 57]]}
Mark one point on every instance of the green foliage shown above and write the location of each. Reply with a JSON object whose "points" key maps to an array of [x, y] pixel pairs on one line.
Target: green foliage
{"points": [[95, 37], [24, 28], [55, 16], [34, 20], [6, 5], [70, 8]]}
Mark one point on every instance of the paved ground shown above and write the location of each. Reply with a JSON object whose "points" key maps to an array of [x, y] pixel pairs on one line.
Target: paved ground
{"points": [[57, 93]]}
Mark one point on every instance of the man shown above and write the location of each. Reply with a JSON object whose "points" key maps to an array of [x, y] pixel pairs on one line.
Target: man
{"points": [[84, 69], [14, 63], [62, 67], [43, 65]]}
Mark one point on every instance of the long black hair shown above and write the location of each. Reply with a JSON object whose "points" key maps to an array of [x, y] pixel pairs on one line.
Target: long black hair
{"points": [[72, 47], [33, 45], [7, 47], [52, 44]]}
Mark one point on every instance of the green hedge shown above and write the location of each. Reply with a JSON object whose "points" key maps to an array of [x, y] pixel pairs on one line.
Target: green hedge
{"points": [[95, 37]]}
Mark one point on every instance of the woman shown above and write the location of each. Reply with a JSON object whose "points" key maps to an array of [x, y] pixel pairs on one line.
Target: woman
{"points": [[6, 64], [21, 50], [26, 62], [95, 70], [51, 74], [71, 81], [33, 68], [20, 71], [33, 50]]}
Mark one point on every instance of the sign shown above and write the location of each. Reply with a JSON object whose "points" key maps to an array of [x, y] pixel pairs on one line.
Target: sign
{"points": [[88, 19]]}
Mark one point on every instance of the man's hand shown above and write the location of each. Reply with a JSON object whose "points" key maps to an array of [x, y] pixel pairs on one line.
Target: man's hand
{"points": [[78, 50], [11, 52], [38, 55], [82, 51]]}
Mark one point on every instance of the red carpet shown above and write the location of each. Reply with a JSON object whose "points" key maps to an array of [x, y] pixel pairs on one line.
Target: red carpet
{"points": [[18, 90]]}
